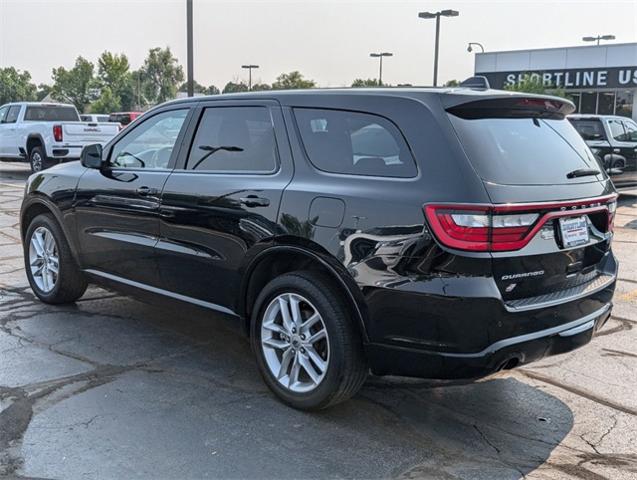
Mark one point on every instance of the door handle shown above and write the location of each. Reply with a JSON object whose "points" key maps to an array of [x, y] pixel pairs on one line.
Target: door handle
{"points": [[254, 201], [144, 191]]}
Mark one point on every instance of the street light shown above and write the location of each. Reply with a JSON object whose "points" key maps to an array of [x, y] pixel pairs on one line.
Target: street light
{"points": [[250, 67], [437, 15], [469, 49], [380, 56], [598, 38]]}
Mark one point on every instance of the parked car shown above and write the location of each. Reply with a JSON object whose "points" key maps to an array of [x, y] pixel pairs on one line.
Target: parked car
{"points": [[440, 233], [614, 140], [123, 118], [44, 134], [93, 118]]}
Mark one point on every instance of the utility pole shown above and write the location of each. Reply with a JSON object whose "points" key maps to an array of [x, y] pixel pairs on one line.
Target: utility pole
{"points": [[189, 42], [380, 56]]}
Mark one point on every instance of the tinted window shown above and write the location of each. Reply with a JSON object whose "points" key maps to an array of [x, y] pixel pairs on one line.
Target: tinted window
{"points": [[149, 144], [85, 118], [524, 151], [355, 143], [3, 112], [234, 139], [589, 129], [122, 118], [51, 113], [12, 114]]}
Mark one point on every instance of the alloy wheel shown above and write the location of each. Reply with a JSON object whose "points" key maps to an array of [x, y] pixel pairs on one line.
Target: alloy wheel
{"points": [[36, 161], [295, 343], [44, 259]]}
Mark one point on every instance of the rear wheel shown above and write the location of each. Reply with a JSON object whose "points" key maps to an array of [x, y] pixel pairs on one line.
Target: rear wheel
{"points": [[51, 269], [39, 160], [308, 348]]}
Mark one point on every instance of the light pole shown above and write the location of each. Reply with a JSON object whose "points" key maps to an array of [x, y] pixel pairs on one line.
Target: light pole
{"points": [[598, 38], [189, 42], [380, 56], [470, 49], [250, 67], [437, 15]]}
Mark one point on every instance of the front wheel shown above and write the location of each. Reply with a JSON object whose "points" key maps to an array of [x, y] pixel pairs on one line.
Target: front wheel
{"points": [[308, 348]]}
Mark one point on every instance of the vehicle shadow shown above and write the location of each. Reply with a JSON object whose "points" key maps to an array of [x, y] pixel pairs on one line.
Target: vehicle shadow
{"points": [[190, 379]]}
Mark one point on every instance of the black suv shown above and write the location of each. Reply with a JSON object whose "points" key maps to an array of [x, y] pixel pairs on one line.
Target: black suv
{"points": [[614, 140], [442, 233]]}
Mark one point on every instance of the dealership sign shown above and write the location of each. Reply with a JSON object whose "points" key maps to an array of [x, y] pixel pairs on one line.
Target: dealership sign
{"points": [[618, 77]]}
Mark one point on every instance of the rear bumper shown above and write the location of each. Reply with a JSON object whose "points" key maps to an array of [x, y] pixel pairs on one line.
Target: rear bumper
{"points": [[505, 353], [65, 152]]}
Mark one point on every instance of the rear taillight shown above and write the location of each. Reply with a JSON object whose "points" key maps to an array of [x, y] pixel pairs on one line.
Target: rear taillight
{"points": [[57, 133], [612, 206], [499, 228]]}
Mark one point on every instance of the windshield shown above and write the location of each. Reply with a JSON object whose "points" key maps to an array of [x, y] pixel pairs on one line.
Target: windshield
{"points": [[524, 151], [51, 113]]}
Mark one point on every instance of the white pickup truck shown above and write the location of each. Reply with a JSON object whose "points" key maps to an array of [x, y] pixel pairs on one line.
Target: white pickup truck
{"points": [[45, 134]]}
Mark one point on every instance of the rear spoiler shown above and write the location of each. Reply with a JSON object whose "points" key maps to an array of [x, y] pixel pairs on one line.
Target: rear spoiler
{"points": [[514, 106]]}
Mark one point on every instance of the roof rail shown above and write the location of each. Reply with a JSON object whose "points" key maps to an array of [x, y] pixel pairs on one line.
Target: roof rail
{"points": [[478, 82]]}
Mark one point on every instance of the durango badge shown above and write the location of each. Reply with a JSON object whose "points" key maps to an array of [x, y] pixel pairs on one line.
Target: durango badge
{"points": [[513, 276]]}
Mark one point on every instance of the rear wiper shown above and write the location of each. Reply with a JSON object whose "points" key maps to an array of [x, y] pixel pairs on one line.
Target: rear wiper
{"points": [[582, 172]]}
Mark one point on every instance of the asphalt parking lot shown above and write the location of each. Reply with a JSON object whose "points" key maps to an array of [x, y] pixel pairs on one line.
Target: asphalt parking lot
{"points": [[114, 388]]}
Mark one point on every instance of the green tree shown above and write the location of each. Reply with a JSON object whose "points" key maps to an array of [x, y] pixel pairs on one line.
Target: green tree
{"points": [[74, 85], [257, 87], [233, 87], [43, 91], [161, 75], [113, 72], [365, 82], [107, 102], [212, 90], [292, 80], [16, 86], [452, 83], [199, 88], [534, 84]]}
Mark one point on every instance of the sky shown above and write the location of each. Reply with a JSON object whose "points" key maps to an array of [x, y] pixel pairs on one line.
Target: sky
{"points": [[329, 41]]}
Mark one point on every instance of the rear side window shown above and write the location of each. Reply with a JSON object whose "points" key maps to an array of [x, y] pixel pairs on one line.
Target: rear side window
{"points": [[589, 129], [52, 113], [631, 131], [354, 143], [234, 139], [524, 151], [124, 119]]}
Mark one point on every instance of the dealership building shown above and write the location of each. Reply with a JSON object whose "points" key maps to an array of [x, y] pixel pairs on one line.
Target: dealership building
{"points": [[598, 79]]}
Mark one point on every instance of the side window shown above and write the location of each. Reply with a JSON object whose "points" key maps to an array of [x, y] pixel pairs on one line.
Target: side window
{"points": [[3, 113], [12, 114], [631, 131], [617, 130], [234, 139], [151, 143], [354, 143]]}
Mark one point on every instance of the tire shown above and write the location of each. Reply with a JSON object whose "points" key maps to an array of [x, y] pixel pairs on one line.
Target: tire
{"points": [[340, 348], [38, 160], [65, 286]]}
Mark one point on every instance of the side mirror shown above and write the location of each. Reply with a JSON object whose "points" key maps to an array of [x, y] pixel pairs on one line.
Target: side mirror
{"points": [[91, 156]]}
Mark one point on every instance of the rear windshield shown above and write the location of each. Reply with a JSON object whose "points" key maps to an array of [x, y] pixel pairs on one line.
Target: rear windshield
{"points": [[589, 129], [123, 118], [51, 114], [524, 151]]}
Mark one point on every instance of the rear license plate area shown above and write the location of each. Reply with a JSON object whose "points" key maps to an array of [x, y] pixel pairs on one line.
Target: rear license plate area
{"points": [[573, 231]]}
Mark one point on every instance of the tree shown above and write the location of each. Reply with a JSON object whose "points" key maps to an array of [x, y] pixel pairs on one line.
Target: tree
{"points": [[107, 103], [533, 84], [114, 74], [452, 83], [199, 88], [257, 87], [292, 80], [362, 82], [43, 91], [16, 86], [233, 87], [74, 85], [161, 75], [212, 90]]}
